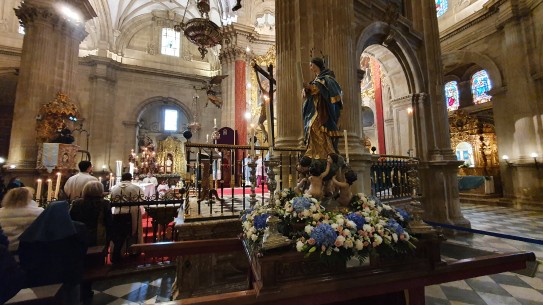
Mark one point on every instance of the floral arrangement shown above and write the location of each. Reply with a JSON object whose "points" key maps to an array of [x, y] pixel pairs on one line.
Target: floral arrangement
{"points": [[371, 227]]}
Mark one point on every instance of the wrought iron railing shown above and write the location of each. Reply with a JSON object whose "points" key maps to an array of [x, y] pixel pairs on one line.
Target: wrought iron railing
{"points": [[389, 177]]}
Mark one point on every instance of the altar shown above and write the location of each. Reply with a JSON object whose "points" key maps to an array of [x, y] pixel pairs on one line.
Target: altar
{"points": [[149, 189]]}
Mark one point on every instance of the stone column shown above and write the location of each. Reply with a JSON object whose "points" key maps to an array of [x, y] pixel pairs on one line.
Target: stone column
{"points": [[100, 118], [324, 25], [48, 64], [241, 101], [438, 168]]}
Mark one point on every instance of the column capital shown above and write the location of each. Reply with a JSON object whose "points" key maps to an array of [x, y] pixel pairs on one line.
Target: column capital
{"points": [[231, 54], [30, 14], [420, 98]]}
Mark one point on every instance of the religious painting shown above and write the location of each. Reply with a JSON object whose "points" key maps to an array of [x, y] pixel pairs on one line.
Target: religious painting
{"points": [[452, 96], [441, 7], [480, 85]]}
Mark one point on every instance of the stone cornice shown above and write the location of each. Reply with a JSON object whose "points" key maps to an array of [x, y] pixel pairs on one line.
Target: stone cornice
{"points": [[117, 66]]}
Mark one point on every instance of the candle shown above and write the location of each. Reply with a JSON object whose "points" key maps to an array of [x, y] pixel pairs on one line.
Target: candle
{"points": [[346, 145], [410, 127], [215, 122], [38, 191], [131, 170], [49, 189], [207, 138], [252, 140], [57, 186], [111, 181], [119, 167]]}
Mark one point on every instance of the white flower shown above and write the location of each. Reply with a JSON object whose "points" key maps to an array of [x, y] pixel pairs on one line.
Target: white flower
{"points": [[308, 229], [339, 241], [306, 213], [395, 237], [359, 245], [314, 200], [254, 237], [299, 246], [348, 243], [387, 207], [377, 240], [334, 226], [249, 234], [346, 232], [367, 228], [351, 224], [317, 216], [313, 208], [340, 221]]}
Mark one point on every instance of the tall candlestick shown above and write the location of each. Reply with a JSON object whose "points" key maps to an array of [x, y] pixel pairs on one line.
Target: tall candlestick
{"points": [[57, 186], [346, 145], [49, 189], [119, 168], [410, 127], [38, 191]]}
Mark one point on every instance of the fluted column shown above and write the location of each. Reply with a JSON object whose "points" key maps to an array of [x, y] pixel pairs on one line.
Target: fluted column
{"points": [[438, 162], [324, 25], [48, 64]]}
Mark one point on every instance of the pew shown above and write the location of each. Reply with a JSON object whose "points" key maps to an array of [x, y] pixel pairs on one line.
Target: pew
{"points": [[390, 283]]}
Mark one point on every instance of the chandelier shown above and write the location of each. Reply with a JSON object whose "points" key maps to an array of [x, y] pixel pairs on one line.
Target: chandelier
{"points": [[201, 31]]}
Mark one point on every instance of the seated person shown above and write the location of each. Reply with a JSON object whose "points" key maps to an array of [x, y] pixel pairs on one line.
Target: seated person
{"points": [[95, 212], [52, 250], [17, 213], [11, 276]]}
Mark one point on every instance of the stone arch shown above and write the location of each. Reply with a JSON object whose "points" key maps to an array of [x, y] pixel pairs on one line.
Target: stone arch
{"points": [[454, 59], [377, 33], [144, 105]]}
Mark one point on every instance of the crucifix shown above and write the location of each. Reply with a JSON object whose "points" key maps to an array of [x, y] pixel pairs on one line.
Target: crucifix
{"points": [[268, 103]]}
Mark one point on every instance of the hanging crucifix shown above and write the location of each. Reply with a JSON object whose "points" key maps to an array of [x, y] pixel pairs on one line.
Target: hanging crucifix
{"points": [[266, 106]]}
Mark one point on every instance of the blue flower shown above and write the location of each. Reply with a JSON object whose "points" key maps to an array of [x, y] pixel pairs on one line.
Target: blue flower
{"points": [[394, 226], [405, 215], [357, 219], [260, 221], [324, 235], [299, 204], [245, 213]]}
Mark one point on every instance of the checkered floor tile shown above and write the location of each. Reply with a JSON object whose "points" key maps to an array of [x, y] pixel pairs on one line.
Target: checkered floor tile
{"points": [[505, 288]]}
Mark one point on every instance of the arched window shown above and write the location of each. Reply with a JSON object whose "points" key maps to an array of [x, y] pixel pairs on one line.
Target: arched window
{"points": [[464, 152], [451, 95], [441, 7], [480, 85]]}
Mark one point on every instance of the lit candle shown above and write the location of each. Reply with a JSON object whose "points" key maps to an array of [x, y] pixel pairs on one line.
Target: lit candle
{"points": [[215, 122], [119, 167], [346, 145], [57, 186], [131, 170], [207, 138], [49, 189], [410, 127], [111, 181], [38, 191]]}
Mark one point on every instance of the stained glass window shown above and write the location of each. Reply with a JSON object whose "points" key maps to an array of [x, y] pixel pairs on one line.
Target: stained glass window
{"points": [[170, 42], [480, 85], [441, 7], [170, 120], [451, 95]]}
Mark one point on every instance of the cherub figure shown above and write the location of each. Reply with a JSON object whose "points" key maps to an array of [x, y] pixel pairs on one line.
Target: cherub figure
{"points": [[317, 175], [345, 193], [303, 174]]}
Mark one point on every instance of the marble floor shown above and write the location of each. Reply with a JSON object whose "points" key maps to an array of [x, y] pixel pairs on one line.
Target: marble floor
{"points": [[505, 288]]}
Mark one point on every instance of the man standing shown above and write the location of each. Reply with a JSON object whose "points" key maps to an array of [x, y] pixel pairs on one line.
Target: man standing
{"points": [[74, 185], [150, 179], [126, 192]]}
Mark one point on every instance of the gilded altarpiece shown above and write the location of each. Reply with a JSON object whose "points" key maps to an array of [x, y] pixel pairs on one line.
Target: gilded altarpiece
{"points": [[482, 138], [171, 156]]}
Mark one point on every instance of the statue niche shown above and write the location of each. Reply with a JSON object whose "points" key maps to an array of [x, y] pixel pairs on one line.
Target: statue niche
{"points": [[171, 156]]}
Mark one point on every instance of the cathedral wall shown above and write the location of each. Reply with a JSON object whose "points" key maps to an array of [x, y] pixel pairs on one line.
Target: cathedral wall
{"points": [[111, 107]]}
